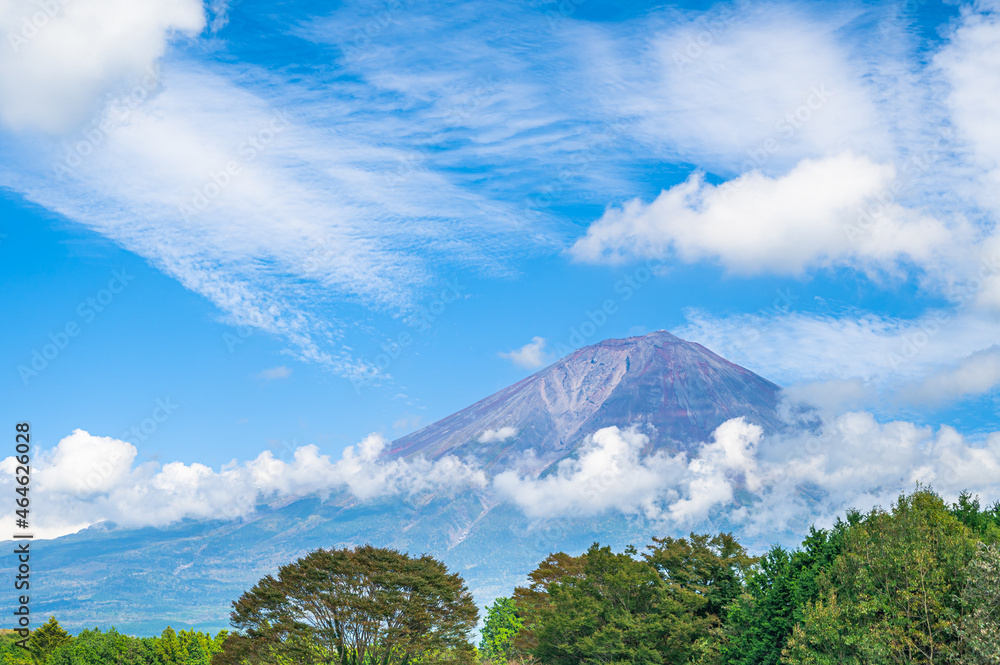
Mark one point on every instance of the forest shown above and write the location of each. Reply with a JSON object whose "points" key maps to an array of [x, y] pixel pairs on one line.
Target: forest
{"points": [[917, 582]]}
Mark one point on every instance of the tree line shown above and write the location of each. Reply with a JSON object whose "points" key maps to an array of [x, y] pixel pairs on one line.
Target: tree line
{"points": [[917, 583]]}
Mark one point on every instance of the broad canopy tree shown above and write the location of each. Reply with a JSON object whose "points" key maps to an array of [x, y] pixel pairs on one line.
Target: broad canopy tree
{"points": [[354, 606]]}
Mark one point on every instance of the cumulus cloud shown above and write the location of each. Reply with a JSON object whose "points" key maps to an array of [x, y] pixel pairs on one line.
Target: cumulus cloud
{"points": [[608, 473], [740, 478], [87, 479], [856, 461], [497, 435], [65, 56], [763, 485], [274, 373], [532, 355], [823, 212]]}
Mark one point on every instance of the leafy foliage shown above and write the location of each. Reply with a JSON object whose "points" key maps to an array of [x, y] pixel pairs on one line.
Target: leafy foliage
{"points": [[46, 639], [658, 607], [979, 633], [360, 606], [894, 592], [502, 625], [760, 621], [917, 584], [10, 652]]}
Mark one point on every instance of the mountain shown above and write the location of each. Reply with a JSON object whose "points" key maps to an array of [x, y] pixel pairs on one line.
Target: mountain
{"points": [[187, 574], [680, 388]]}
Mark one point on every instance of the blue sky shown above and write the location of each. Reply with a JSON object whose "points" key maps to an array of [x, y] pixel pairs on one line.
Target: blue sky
{"points": [[284, 190]]}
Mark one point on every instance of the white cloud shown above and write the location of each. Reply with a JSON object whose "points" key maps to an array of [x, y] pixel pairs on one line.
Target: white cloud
{"points": [[974, 375], [763, 484], [806, 218], [970, 64], [859, 352], [766, 485], [267, 213], [608, 473], [498, 435], [64, 56], [274, 373], [855, 461], [738, 87], [87, 479], [532, 355]]}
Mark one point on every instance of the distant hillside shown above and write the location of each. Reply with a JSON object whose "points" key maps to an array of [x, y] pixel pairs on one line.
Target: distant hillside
{"points": [[187, 574]]}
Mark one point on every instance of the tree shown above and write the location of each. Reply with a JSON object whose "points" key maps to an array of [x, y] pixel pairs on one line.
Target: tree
{"points": [[501, 627], [169, 648], [984, 523], [778, 589], [94, 647], [660, 607], [534, 600], [705, 573], [893, 595], [46, 639], [979, 632], [358, 606], [612, 613], [10, 652]]}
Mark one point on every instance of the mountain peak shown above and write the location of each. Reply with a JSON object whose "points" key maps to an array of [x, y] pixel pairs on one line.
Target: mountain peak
{"points": [[678, 391]]}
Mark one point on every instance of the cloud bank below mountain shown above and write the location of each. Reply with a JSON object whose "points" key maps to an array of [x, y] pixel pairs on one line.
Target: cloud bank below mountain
{"points": [[740, 479]]}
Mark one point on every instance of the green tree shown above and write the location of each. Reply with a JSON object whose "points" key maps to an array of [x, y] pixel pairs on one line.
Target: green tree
{"points": [[778, 589], [985, 523], [94, 647], [979, 632], [660, 607], [169, 648], [364, 605], [533, 601], [46, 639], [10, 652], [705, 573], [893, 595], [501, 627], [612, 613]]}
